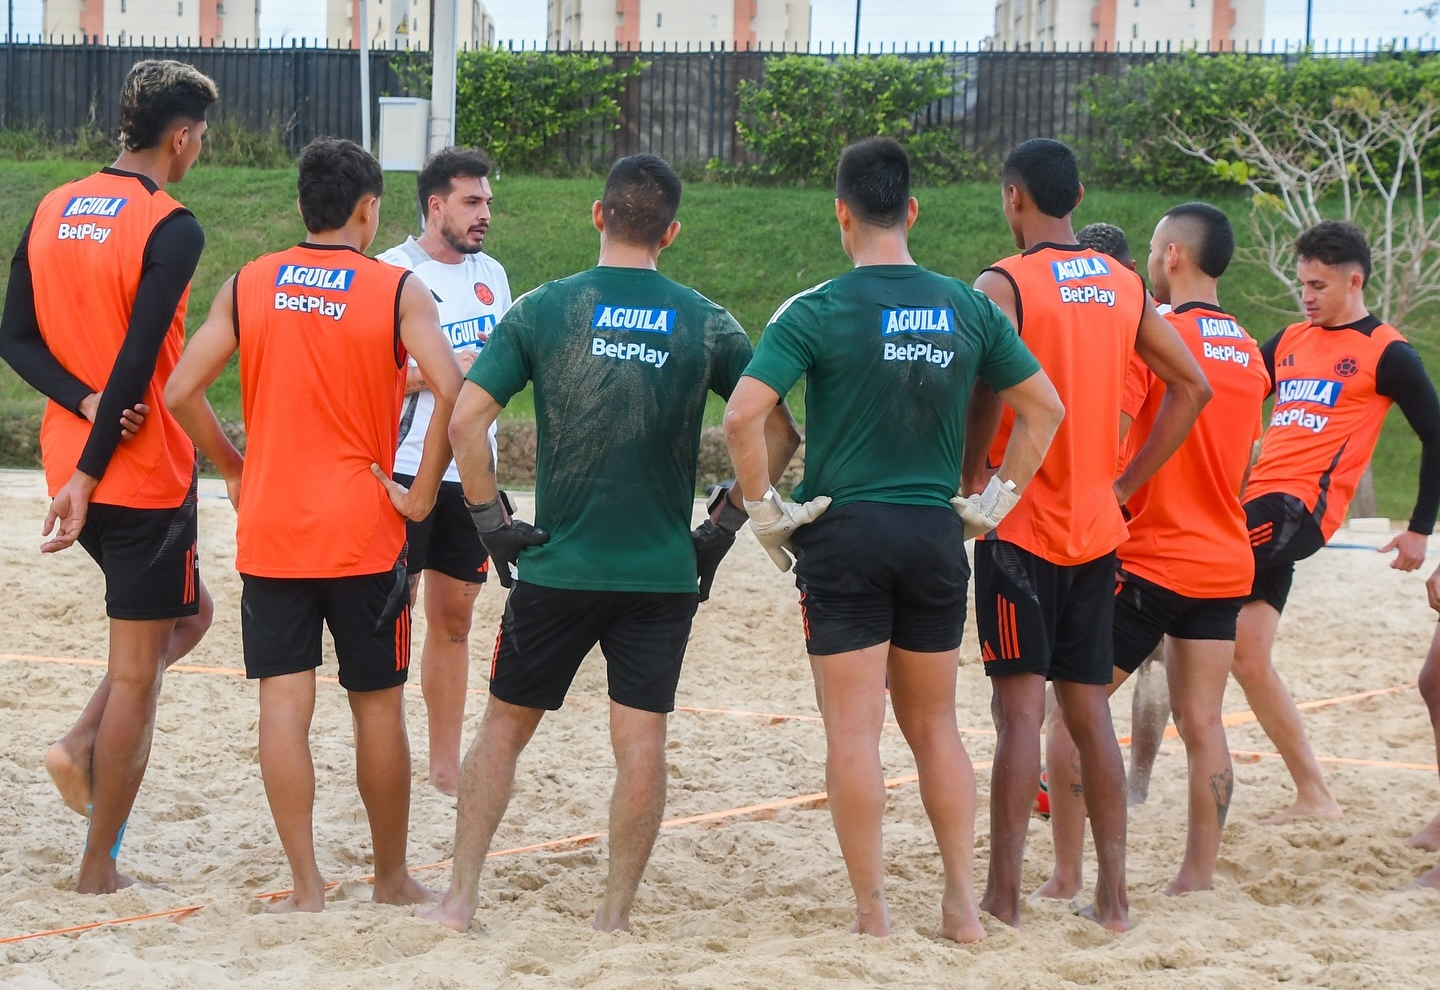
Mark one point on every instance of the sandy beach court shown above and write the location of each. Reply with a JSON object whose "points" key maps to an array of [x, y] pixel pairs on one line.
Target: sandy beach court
{"points": [[746, 888]]}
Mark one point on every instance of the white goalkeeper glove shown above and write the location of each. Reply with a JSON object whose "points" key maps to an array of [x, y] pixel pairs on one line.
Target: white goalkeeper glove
{"points": [[982, 513], [773, 521]]}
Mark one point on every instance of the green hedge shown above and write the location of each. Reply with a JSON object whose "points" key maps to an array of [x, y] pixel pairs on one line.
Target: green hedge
{"points": [[1198, 91], [808, 108], [514, 104]]}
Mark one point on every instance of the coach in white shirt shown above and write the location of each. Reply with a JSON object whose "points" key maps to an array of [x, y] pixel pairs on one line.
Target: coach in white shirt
{"points": [[472, 294]]}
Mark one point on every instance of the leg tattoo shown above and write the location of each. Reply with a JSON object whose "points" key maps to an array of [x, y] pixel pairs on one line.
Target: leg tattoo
{"points": [[1222, 785]]}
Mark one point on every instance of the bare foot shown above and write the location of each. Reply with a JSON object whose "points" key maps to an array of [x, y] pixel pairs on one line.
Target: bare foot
{"points": [[406, 890], [1428, 837], [609, 924], [1430, 878], [71, 773], [296, 903], [959, 921], [1115, 921], [1326, 807], [1058, 888], [1185, 884], [445, 779], [449, 911], [875, 923], [1008, 914]]}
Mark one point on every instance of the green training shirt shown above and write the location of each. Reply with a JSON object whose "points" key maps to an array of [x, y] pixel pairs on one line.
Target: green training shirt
{"points": [[890, 354], [622, 359]]}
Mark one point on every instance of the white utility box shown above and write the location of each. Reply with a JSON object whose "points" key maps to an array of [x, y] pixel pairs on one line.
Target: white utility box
{"points": [[404, 133]]}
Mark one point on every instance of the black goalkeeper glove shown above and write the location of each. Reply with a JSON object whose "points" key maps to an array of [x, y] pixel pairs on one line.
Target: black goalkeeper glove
{"points": [[504, 536], [714, 537]]}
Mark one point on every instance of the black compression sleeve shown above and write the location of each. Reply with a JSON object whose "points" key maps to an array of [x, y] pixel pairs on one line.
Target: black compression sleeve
{"points": [[170, 259], [21, 344], [1267, 351], [1401, 376]]}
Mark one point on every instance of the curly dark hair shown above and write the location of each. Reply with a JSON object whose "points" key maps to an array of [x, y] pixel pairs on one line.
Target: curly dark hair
{"points": [[334, 175], [1335, 242]]}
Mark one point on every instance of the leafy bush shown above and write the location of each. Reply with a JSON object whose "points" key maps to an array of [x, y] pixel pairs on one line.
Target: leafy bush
{"points": [[519, 106], [1131, 113], [798, 119], [226, 143]]}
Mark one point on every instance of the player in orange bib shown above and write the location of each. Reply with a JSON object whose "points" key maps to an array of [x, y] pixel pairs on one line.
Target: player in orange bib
{"points": [[324, 334], [1336, 375], [1045, 578], [95, 319], [1186, 566]]}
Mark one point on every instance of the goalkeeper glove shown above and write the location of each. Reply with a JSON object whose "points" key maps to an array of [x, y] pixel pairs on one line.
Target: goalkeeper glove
{"points": [[504, 536], [982, 513], [773, 521]]}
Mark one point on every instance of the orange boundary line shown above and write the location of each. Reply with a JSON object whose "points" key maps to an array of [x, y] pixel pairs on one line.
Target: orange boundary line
{"points": [[764, 808], [1345, 761], [236, 672], [1246, 717]]}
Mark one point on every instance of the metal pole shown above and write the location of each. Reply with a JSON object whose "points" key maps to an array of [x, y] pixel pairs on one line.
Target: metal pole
{"points": [[1309, 14], [857, 27], [442, 78], [363, 34]]}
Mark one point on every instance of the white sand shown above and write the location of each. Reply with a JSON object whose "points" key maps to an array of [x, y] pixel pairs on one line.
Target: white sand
{"points": [[754, 901]]}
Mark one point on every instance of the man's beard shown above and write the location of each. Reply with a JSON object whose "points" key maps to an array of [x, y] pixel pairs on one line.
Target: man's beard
{"points": [[460, 242]]}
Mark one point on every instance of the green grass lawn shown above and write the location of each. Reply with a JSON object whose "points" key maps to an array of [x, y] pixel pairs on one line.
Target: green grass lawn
{"points": [[749, 249]]}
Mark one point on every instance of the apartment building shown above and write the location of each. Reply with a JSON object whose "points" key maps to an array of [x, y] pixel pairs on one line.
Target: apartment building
{"points": [[406, 23], [1112, 24], [678, 23], [200, 22]]}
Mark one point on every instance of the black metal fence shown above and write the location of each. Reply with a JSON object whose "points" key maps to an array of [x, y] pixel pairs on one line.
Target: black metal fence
{"points": [[306, 92], [683, 106]]}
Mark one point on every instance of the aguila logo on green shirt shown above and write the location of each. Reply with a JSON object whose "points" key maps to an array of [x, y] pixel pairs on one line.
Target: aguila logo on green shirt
{"points": [[893, 321], [633, 318]]}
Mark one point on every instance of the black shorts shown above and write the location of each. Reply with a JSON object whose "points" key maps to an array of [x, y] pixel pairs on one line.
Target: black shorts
{"points": [[873, 572], [446, 540], [546, 632], [149, 557], [1282, 531], [1145, 613], [368, 616], [1036, 617]]}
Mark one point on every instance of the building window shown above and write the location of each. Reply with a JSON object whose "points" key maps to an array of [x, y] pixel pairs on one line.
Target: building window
{"points": [[1135, 30], [179, 8], [714, 22], [657, 19], [122, 10]]}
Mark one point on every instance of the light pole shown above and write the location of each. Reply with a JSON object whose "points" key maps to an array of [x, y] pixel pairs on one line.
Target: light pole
{"points": [[857, 27], [1309, 13]]}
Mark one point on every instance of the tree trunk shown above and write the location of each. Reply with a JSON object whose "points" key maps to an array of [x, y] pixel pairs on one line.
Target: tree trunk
{"points": [[1363, 505]]}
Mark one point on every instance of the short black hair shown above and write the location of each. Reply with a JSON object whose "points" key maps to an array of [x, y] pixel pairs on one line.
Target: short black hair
{"points": [[1048, 171], [642, 196], [335, 174], [158, 92], [1107, 239], [1335, 242], [873, 179], [437, 177], [1213, 242]]}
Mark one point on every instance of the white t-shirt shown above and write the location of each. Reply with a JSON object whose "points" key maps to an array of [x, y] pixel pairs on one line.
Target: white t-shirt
{"points": [[471, 297]]}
